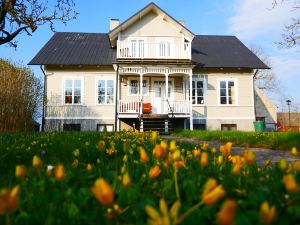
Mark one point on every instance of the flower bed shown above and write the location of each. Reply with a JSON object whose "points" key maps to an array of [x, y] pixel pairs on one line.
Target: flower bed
{"points": [[137, 178]]}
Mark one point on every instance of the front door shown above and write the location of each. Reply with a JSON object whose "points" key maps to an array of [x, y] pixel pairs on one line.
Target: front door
{"points": [[159, 103]]}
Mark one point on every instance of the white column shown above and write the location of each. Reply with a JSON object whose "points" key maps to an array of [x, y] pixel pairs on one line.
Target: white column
{"points": [[166, 92], [191, 101], [141, 92], [118, 97]]}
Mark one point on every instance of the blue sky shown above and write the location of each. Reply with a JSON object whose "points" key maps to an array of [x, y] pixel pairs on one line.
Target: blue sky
{"points": [[252, 21]]}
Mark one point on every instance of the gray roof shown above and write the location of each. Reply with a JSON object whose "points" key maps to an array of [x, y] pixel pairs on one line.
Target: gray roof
{"points": [[95, 49], [70, 48], [223, 51]]}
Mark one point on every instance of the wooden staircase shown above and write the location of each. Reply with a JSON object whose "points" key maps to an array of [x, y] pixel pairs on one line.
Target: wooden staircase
{"points": [[156, 122]]}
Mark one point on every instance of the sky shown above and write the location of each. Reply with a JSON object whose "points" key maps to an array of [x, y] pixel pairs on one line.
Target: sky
{"points": [[254, 22]]}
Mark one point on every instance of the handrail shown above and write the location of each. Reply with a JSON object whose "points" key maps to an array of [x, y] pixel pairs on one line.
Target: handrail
{"points": [[172, 111]]}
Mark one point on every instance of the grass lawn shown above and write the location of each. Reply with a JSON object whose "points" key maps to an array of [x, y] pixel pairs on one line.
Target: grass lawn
{"points": [[271, 140], [138, 178]]}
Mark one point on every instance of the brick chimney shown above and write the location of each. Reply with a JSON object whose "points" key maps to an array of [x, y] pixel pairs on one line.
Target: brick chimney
{"points": [[113, 23]]}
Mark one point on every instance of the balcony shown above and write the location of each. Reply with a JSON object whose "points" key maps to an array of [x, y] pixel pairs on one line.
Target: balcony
{"points": [[178, 107], [139, 49]]}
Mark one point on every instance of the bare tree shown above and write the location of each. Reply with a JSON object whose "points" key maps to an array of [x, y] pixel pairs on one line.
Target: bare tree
{"points": [[18, 16], [291, 35], [20, 97], [264, 79]]}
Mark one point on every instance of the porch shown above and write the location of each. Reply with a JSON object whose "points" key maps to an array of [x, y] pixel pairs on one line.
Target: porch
{"points": [[154, 92]]}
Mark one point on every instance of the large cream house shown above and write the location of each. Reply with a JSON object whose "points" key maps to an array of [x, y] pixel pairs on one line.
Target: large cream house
{"points": [[149, 73]]}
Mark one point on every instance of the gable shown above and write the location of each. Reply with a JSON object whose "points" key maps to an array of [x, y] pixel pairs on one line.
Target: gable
{"points": [[151, 25], [152, 8]]}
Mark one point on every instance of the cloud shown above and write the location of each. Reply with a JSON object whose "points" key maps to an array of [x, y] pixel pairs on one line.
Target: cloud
{"points": [[254, 18]]}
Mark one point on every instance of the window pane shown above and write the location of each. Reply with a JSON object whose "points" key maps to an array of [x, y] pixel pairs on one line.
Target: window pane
{"points": [[77, 83], [68, 99], [200, 84], [230, 100], [223, 92], [77, 91], [133, 87], [101, 99], [223, 84], [110, 99], [110, 83], [68, 83], [77, 99], [200, 92], [101, 84], [68, 91], [223, 100], [200, 100], [110, 91]]}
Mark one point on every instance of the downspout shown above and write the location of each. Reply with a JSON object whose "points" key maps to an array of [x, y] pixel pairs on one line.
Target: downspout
{"points": [[44, 99], [254, 76], [116, 105]]}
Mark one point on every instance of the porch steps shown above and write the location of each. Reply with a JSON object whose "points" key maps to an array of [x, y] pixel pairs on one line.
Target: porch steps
{"points": [[156, 122]]}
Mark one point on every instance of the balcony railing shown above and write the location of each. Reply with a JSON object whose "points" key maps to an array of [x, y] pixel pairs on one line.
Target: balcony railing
{"points": [[146, 50], [176, 107]]}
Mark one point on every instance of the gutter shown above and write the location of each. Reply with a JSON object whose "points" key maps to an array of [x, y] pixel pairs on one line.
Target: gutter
{"points": [[116, 105], [44, 99]]}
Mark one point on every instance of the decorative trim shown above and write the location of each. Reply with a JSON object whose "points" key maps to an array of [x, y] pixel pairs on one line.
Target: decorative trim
{"points": [[79, 118], [225, 118]]}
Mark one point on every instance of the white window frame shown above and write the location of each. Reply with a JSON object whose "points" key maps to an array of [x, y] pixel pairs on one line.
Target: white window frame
{"points": [[196, 77], [235, 91], [137, 39], [81, 90], [169, 40], [138, 83], [96, 90]]}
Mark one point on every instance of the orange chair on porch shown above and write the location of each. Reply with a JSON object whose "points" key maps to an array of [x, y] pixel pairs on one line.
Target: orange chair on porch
{"points": [[147, 108]]}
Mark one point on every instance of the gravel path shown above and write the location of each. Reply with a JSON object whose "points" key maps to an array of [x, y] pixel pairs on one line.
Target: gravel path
{"points": [[261, 154]]}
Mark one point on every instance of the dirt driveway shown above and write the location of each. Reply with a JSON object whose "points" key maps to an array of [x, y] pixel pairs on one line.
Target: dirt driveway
{"points": [[261, 154]]}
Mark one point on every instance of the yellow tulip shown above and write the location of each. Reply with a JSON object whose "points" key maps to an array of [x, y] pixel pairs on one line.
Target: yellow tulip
{"points": [[294, 151], [143, 156], [290, 183], [267, 214], [89, 167], [236, 169], [20, 171], [213, 150], [204, 159], [178, 164], [296, 165], [227, 212], [196, 153], [212, 192], [59, 172], [173, 146], [176, 155], [249, 156], [36, 161], [227, 149], [282, 164], [126, 180], [9, 200], [220, 159], [154, 172], [205, 146], [103, 192], [101, 145], [160, 151]]}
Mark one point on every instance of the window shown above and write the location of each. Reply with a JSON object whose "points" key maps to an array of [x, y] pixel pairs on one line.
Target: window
{"points": [[228, 127], [227, 92], [73, 91], [164, 49], [134, 87], [197, 91], [105, 127], [71, 127], [137, 48], [105, 91]]}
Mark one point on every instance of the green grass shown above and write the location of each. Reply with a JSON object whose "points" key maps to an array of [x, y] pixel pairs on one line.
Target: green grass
{"points": [[45, 200], [271, 140]]}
